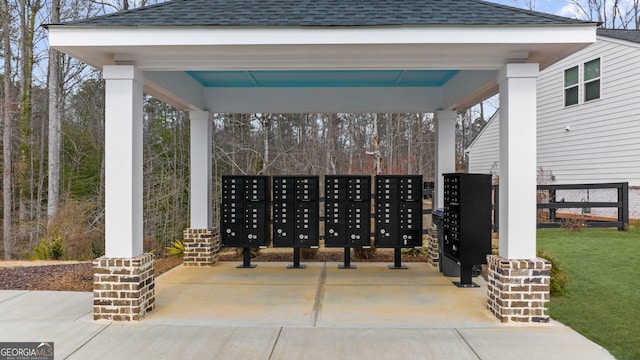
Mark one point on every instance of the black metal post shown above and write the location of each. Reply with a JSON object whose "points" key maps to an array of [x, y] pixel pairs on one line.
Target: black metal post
{"points": [[246, 260], [347, 260], [296, 260], [466, 272], [397, 260], [623, 211], [552, 212]]}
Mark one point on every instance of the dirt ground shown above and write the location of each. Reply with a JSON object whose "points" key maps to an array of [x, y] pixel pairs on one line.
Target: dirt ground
{"points": [[78, 276]]}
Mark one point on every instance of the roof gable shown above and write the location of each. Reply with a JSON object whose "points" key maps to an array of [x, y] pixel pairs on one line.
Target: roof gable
{"points": [[325, 13]]}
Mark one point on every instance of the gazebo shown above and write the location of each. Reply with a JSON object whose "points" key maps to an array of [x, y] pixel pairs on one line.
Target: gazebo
{"points": [[244, 56]]}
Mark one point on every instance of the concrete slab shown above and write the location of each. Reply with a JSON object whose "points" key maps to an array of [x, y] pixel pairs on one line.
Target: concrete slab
{"points": [[274, 313], [374, 296], [549, 342], [371, 344], [10, 294], [47, 305], [141, 341], [225, 296], [226, 273], [417, 274], [66, 335]]}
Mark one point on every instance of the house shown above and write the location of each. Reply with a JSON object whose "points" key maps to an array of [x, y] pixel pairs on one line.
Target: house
{"points": [[588, 122], [245, 56]]}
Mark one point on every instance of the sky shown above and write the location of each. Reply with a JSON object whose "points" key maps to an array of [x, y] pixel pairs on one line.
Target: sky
{"points": [[557, 7]]}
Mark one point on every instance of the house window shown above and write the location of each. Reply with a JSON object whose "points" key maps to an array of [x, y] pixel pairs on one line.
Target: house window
{"points": [[592, 80], [571, 86], [583, 78]]}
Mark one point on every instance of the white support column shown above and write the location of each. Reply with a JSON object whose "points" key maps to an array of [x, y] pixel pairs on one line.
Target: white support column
{"points": [[200, 196], [518, 161], [445, 151], [123, 161]]}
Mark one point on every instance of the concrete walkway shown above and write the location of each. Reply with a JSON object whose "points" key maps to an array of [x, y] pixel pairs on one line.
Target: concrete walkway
{"points": [[274, 313]]}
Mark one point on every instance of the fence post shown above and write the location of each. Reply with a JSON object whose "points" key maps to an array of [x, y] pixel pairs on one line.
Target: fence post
{"points": [[623, 210]]}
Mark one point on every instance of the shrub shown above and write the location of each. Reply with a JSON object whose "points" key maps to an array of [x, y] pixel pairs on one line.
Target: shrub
{"points": [[363, 253], [309, 254], [415, 251], [50, 248], [176, 249], [558, 278], [573, 224]]}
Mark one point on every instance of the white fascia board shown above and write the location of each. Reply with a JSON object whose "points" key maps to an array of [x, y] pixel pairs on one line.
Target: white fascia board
{"points": [[176, 88], [71, 36], [303, 100]]}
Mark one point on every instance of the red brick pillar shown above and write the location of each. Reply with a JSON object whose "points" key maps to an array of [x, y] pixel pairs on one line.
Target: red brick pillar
{"points": [[201, 247], [123, 289], [518, 290]]}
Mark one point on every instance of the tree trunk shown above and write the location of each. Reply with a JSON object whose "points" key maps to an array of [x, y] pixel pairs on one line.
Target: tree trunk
{"points": [[7, 203], [55, 121]]}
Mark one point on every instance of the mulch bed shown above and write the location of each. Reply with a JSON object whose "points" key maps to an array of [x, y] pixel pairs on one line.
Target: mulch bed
{"points": [[64, 277]]}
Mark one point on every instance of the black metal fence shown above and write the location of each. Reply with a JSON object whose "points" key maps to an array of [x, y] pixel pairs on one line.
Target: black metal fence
{"points": [[552, 204]]}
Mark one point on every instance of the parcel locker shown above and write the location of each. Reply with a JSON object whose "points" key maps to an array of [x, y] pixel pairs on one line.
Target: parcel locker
{"points": [[398, 218], [347, 211], [467, 217], [244, 213], [295, 211], [467, 222]]}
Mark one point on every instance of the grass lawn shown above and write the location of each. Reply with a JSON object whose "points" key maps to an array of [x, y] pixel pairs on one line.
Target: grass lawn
{"points": [[602, 300]]}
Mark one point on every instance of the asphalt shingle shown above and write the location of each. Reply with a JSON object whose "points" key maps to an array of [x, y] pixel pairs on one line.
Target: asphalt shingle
{"points": [[323, 13], [628, 35]]}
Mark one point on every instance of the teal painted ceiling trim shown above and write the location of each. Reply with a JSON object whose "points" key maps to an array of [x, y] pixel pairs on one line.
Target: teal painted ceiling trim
{"points": [[324, 78]]}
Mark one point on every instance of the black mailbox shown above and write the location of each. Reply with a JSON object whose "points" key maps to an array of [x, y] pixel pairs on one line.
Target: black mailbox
{"points": [[398, 211], [244, 213], [295, 211], [467, 221], [347, 210]]}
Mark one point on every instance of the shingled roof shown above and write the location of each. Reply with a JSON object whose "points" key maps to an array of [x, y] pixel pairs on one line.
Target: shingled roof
{"points": [[628, 35], [323, 13]]}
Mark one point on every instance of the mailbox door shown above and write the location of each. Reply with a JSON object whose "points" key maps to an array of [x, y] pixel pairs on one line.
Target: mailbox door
{"points": [[306, 225], [256, 230], [232, 211], [410, 224], [334, 224], [358, 224]]}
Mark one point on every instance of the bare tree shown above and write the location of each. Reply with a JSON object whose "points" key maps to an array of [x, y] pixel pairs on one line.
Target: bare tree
{"points": [[5, 16], [612, 14], [55, 121]]}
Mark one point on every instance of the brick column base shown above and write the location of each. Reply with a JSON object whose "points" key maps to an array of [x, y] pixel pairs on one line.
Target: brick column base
{"points": [[518, 290], [201, 247], [433, 255], [123, 288]]}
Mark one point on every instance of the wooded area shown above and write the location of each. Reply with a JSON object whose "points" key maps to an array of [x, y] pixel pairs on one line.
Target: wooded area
{"points": [[53, 139]]}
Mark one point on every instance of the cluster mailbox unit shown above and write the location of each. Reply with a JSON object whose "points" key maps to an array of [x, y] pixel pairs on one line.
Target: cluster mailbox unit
{"points": [[245, 213], [398, 213], [467, 222], [254, 212], [296, 214], [347, 209]]}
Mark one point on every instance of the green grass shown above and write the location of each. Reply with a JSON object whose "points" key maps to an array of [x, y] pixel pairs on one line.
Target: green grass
{"points": [[602, 299]]}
